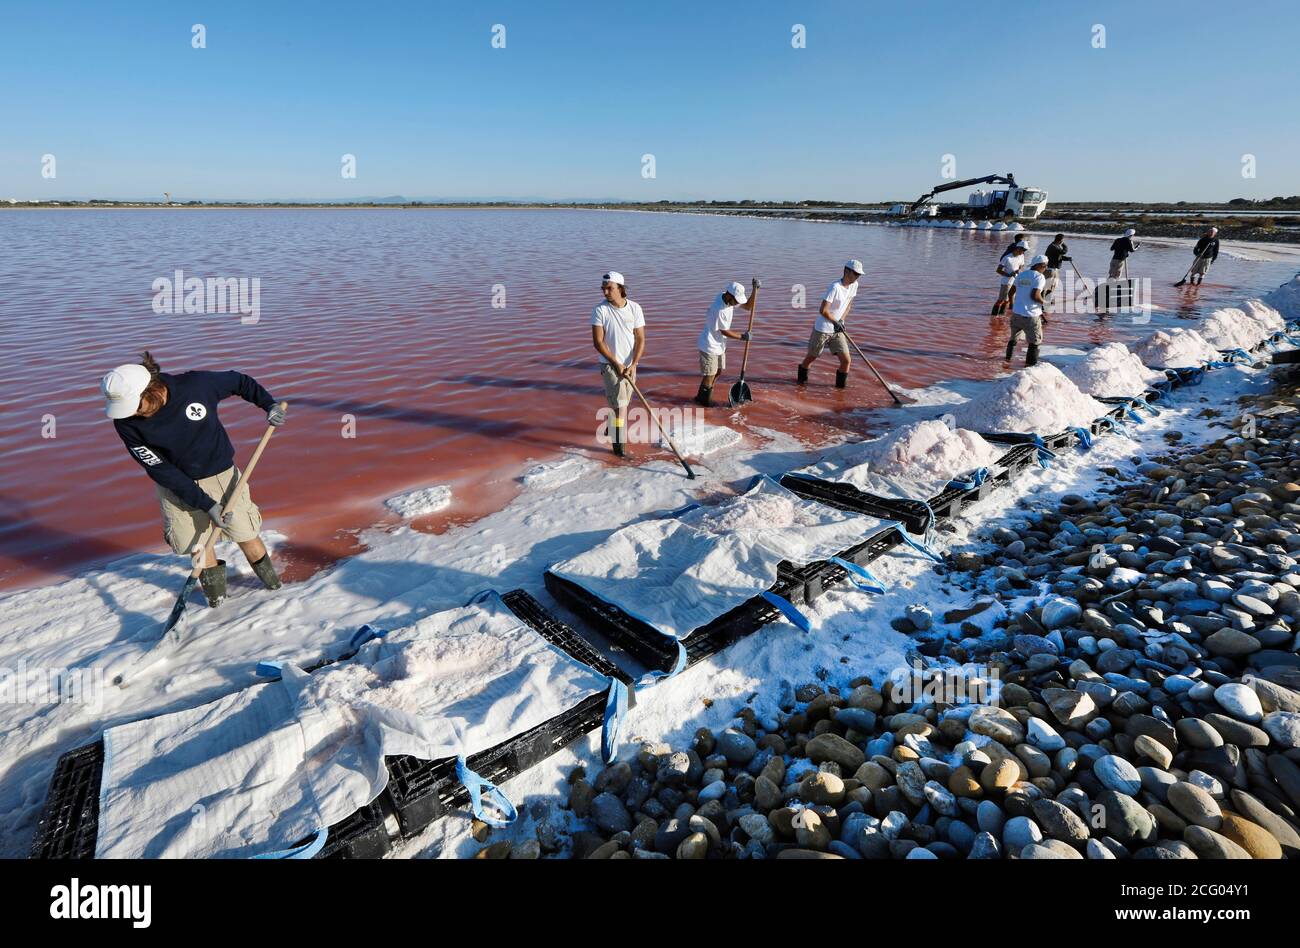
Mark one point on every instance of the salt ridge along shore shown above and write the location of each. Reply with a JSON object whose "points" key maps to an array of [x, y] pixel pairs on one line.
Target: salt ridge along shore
{"points": [[406, 575]]}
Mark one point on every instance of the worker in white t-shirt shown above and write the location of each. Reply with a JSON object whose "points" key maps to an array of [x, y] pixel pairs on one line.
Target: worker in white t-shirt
{"points": [[618, 333], [1008, 267], [1027, 314], [713, 337], [828, 331]]}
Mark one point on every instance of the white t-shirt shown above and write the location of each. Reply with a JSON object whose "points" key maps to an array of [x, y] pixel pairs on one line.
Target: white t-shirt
{"points": [[618, 325], [839, 296], [1026, 282], [712, 340], [1012, 264]]}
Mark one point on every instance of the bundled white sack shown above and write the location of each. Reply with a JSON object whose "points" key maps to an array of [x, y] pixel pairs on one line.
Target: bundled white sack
{"points": [[258, 771], [1111, 371], [1036, 400], [1231, 328], [1286, 299], [679, 574], [1175, 349], [915, 462]]}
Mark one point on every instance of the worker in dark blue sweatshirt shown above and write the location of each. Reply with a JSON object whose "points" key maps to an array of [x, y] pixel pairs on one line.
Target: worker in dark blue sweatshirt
{"points": [[1207, 251], [169, 424]]}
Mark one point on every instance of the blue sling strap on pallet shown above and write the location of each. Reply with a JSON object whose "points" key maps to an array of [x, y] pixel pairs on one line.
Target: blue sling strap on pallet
{"points": [[862, 577], [477, 787], [787, 609]]}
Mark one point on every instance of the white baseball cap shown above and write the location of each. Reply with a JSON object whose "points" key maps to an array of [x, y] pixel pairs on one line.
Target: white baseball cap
{"points": [[122, 389], [1214, 230], [613, 276], [737, 290], [855, 266], [1041, 258], [1130, 232], [1019, 245]]}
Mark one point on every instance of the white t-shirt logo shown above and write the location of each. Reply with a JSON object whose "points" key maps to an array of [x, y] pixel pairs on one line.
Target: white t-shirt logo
{"points": [[196, 411]]}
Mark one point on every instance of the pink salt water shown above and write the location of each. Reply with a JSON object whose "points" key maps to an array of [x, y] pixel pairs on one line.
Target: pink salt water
{"points": [[379, 328]]}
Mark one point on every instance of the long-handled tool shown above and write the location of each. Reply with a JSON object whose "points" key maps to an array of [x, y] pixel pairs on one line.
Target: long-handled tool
{"points": [[862, 356], [1081, 280], [1193, 266], [208, 542], [740, 392], [663, 434]]}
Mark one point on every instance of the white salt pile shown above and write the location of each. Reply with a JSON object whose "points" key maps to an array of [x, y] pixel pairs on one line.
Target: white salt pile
{"points": [[1231, 328], [1265, 315], [1175, 349], [418, 503], [1037, 400], [697, 438], [552, 474], [928, 448], [1286, 298], [1111, 371]]}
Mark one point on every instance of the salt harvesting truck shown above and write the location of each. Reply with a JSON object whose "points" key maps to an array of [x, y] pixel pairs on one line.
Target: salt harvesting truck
{"points": [[1006, 204]]}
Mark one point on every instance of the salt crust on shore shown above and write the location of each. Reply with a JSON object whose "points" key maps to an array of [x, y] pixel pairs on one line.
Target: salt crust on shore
{"points": [[418, 503], [1038, 400]]}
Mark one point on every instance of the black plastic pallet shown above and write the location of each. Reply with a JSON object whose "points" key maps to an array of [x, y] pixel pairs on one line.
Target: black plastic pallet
{"points": [[821, 576], [1053, 442], [657, 651], [953, 499], [418, 791], [421, 791], [911, 513]]}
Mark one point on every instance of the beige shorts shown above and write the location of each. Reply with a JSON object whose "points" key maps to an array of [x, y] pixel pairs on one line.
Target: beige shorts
{"points": [[1201, 266], [834, 341], [1031, 326], [1116, 269], [1006, 291], [183, 525], [618, 392], [712, 364]]}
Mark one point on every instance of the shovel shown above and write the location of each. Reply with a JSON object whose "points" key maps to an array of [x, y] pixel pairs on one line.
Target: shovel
{"points": [[740, 392]]}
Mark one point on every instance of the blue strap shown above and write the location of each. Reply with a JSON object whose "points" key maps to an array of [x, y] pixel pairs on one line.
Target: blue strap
{"points": [[975, 479], [307, 850], [862, 577], [651, 677], [1084, 436], [364, 635], [1146, 405], [788, 610], [476, 786], [919, 547], [1045, 454], [615, 712], [1162, 387]]}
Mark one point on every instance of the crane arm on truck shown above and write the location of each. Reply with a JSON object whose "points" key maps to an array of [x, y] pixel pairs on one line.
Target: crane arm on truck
{"points": [[1007, 179]]}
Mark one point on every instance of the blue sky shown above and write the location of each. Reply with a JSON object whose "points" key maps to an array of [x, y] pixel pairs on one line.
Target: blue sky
{"points": [[581, 91]]}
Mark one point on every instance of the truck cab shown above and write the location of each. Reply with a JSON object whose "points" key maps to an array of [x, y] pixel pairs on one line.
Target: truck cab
{"points": [[1025, 203]]}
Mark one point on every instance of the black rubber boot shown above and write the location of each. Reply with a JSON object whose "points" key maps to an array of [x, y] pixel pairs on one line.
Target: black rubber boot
{"points": [[1011, 350], [1031, 357], [704, 396], [618, 439], [264, 569], [213, 581], [997, 309], [841, 379], [803, 374]]}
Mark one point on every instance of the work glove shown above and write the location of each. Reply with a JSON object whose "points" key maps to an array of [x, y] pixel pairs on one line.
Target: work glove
{"points": [[221, 517], [276, 416], [839, 326], [745, 336]]}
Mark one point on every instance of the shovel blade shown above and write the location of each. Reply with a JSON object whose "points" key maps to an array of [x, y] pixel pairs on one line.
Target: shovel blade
{"points": [[740, 393]]}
